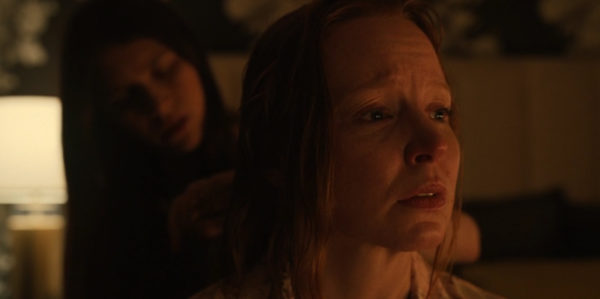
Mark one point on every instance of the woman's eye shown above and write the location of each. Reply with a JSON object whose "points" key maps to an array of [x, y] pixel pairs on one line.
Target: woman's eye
{"points": [[167, 71], [135, 99], [442, 114], [375, 115]]}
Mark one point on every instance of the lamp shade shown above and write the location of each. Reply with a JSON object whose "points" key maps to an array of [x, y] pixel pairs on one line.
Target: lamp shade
{"points": [[31, 163]]}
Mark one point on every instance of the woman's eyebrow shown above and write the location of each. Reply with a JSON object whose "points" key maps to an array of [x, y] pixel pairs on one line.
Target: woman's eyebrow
{"points": [[370, 83], [352, 104], [379, 78], [436, 89]]}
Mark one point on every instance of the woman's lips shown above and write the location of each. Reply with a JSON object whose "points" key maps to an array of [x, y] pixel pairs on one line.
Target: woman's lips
{"points": [[175, 129], [431, 196], [426, 202]]}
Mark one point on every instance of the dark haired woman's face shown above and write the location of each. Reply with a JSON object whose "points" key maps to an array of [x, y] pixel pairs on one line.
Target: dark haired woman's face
{"points": [[155, 94], [396, 154]]}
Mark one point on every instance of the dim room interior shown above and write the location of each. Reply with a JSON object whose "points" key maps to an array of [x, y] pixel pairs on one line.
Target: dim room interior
{"points": [[526, 77]]}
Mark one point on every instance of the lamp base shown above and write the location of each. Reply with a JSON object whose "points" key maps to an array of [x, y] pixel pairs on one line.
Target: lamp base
{"points": [[37, 244]]}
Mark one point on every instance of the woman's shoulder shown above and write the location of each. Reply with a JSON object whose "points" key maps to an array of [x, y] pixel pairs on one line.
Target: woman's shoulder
{"points": [[447, 286]]}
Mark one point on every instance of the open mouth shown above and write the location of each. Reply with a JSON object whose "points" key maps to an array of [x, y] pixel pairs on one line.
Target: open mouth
{"points": [[175, 129], [427, 200], [429, 196]]}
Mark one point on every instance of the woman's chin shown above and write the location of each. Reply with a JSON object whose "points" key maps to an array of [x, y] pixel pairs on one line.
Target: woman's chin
{"points": [[428, 235], [418, 238], [427, 243], [188, 147]]}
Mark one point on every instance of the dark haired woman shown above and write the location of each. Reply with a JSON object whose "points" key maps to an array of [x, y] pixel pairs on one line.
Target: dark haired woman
{"points": [[142, 119], [349, 158]]}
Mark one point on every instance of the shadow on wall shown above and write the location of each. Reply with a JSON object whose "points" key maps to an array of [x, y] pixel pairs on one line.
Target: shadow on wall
{"points": [[537, 225]]}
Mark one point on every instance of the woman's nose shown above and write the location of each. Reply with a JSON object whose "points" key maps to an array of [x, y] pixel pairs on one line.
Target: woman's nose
{"points": [[158, 100], [428, 142]]}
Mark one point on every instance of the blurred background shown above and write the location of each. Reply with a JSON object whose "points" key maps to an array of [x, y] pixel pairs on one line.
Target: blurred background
{"points": [[525, 75]]}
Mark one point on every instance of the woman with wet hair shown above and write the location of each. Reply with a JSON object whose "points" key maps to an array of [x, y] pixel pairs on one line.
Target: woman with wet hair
{"points": [[142, 119], [349, 159]]}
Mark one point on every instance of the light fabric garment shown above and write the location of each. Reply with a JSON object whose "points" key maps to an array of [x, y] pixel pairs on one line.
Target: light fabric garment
{"points": [[446, 287], [256, 286]]}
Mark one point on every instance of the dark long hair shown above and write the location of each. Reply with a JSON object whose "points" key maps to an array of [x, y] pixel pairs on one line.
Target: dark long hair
{"points": [[118, 185], [283, 186]]}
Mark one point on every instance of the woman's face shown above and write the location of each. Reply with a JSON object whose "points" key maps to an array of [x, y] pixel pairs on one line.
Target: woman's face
{"points": [[155, 94], [396, 157]]}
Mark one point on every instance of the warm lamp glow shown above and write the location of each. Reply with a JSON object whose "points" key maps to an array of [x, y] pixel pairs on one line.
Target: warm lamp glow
{"points": [[31, 164]]}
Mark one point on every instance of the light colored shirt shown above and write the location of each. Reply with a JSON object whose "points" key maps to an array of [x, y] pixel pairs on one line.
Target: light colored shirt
{"points": [[257, 286]]}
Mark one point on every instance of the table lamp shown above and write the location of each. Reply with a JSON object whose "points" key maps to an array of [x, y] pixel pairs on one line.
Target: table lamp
{"points": [[32, 186]]}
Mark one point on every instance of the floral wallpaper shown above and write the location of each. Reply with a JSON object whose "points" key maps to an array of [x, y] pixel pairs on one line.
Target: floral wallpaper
{"points": [[516, 27], [30, 36], [475, 28], [579, 19], [256, 15]]}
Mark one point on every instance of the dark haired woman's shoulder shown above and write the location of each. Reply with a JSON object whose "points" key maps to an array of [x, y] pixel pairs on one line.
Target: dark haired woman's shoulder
{"points": [[214, 291], [224, 291]]}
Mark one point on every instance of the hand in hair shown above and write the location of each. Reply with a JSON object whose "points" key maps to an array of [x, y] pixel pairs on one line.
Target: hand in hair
{"points": [[200, 211]]}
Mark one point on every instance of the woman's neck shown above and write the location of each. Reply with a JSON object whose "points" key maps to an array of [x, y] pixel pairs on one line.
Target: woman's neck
{"points": [[177, 161], [354, 270]]}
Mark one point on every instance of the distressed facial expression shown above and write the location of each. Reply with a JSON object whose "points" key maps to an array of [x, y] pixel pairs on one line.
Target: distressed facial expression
{"points": [[155, 94], [396, 156]]}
